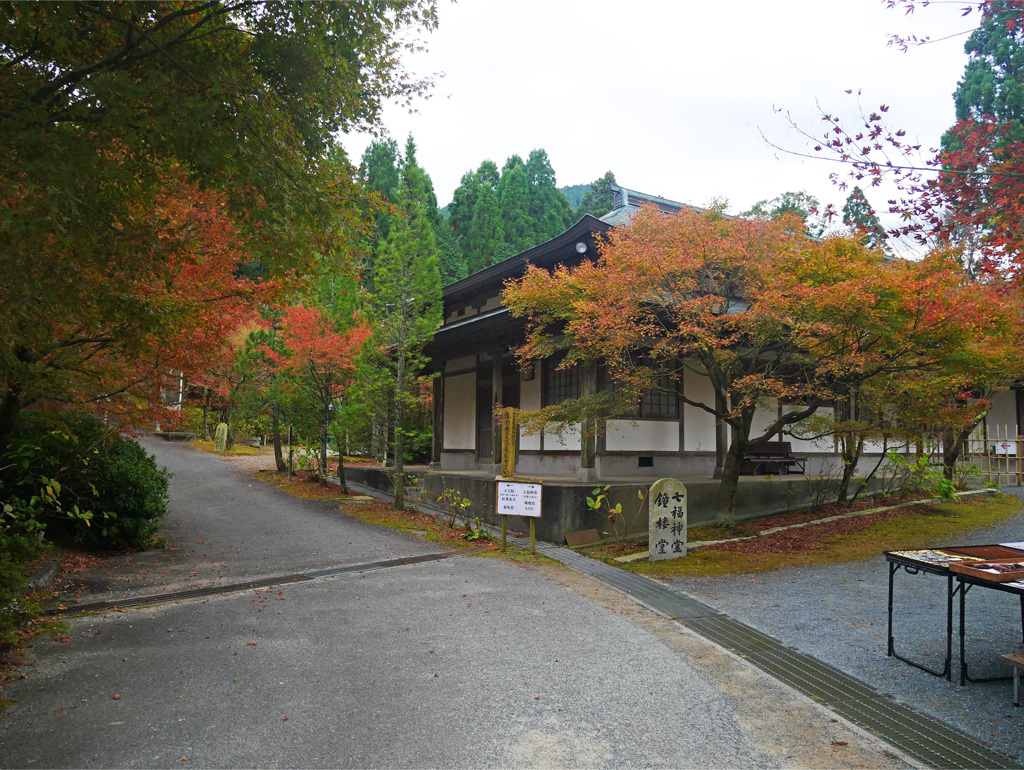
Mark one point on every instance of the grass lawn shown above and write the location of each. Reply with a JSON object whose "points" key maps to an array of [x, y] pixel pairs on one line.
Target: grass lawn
{"points": [[849, 539], [373, 510]]}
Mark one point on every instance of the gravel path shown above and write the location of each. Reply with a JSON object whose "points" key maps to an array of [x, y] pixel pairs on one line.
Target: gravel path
{"points": [[837, 613]]}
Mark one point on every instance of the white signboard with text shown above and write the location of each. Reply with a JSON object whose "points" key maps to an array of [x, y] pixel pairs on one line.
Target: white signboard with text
{"points": [[518, 498]]}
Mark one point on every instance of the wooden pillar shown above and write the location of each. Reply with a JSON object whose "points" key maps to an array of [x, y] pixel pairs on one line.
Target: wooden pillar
{"points": [[496, 402], [438, 419], [721, 435], [588, 429]]}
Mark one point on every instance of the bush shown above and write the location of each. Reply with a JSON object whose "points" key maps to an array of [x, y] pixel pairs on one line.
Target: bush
{"points": [[73, 477], [15, 610]]}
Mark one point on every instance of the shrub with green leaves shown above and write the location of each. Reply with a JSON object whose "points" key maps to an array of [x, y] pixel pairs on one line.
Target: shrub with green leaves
{"points": [[15, 550], [70, 476]]}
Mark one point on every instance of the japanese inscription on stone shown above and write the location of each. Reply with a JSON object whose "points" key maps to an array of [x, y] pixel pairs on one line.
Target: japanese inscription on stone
{"points": [[220, 439], [667, 509], [518, 499]]}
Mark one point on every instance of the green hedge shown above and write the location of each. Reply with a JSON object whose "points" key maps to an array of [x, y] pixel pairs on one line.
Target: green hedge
{"points": [[70, 476]]}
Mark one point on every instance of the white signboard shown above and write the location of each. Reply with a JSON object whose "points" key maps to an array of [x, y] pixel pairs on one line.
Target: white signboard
{"points": [[517, 498], [667, 505]]}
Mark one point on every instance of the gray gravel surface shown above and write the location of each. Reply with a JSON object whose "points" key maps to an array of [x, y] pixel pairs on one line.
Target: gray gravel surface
{"points": [[466, 662], [837, 613]]}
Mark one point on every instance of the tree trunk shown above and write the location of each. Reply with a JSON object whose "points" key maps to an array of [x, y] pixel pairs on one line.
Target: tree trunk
{"points": [[852, 447], [325, 419], [275, 412], [730, 484], [399, 502], [206, 415], [341, 462], [953, 446]]}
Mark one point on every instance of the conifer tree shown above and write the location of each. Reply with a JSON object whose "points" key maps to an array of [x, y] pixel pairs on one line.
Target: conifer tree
{"points": [[991, 89], [407, 304], [380, 171], [514, 199], [858, 215], [549, 210], [486, 233], [451, 258], [597, 201], [488, 173], [460, 210]]}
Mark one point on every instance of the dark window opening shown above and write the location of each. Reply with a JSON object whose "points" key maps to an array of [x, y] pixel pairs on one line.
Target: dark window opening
{"points": [[654, 403], [561, 384]]}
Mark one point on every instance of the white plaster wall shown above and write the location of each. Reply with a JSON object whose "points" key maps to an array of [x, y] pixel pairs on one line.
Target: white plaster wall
{"points": [[460, 411], [460, 364], [698, 425], [491, 304], [825, 444], [529, 398], [765, 415], [1003, 413], [567, 440], [642, 436]]}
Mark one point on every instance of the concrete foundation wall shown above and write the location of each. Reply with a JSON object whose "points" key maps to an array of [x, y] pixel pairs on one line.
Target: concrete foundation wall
{"points": [[564, 503]]}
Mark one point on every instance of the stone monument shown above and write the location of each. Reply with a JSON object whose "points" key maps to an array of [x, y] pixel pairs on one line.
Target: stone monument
{"points": [[667, 506]]}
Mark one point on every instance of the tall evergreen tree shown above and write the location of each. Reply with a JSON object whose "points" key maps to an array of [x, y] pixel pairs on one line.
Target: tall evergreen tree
{"points": [[451, 257], [486, 234], [407, 304], [460, 210], [514, 199], [413, 171], [597, 201], [380, 172], [549, 210], [992, 88], [858, 215], [488, 173]]}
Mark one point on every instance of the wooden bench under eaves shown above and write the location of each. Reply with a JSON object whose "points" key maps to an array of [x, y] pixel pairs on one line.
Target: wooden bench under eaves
{"points": [[773, 458]]}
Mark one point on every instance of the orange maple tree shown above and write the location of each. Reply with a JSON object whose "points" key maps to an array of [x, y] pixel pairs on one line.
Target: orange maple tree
{"points": [[764, 314], [110, 334]]}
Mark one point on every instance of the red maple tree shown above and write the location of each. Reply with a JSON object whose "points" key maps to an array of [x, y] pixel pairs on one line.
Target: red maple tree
{"points": [[320, 359]]}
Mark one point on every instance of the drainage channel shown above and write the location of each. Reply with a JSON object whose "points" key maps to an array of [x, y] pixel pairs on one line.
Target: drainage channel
{"points": [[928, 740], [279, 580]]}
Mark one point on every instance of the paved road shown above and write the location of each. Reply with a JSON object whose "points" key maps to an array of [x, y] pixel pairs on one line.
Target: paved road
{"points": [[465, 662]]}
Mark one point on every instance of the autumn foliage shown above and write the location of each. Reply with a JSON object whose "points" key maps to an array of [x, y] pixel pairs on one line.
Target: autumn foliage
{"points": [[764, 314], [108, 333], [319, 358]]}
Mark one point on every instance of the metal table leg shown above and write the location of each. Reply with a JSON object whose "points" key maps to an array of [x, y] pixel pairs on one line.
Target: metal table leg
{"points": [[946, 669], [964, 676]]}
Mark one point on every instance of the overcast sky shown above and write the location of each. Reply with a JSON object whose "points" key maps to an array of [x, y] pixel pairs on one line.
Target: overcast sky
{"points": [[672, 95]]}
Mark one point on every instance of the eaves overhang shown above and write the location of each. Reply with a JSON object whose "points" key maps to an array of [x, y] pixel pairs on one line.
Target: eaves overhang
{"points": [[559, 250], [483, 333]]}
